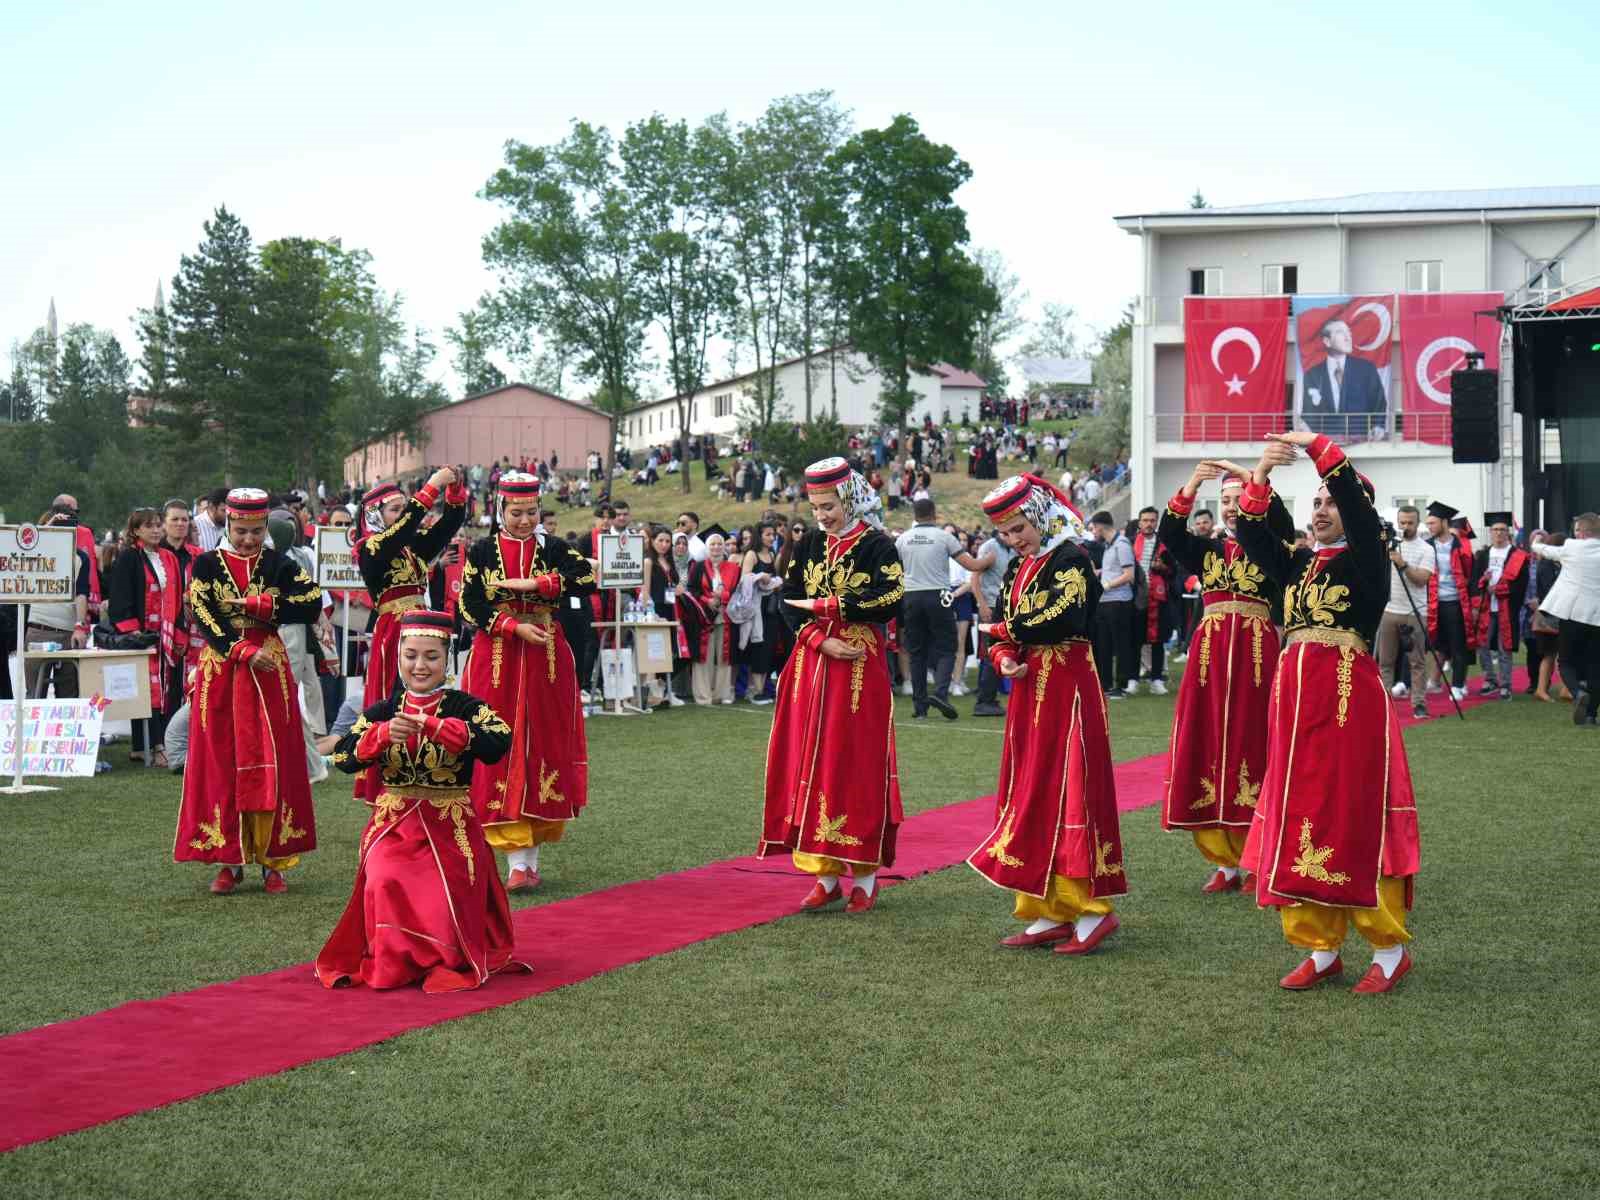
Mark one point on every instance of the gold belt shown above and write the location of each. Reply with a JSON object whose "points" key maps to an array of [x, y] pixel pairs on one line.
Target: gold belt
{"points": [[400, 604], [539, 612], [407, 794], [1242, 608], [1346, 638]]}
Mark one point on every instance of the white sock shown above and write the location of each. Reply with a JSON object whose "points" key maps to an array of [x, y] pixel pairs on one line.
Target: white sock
{"points": [[1323, 959], [868, 883], [829, 883], [530, 858], [1087, 924], [1388, 959], [1229, 872], [514, 859], [1041, 925]]}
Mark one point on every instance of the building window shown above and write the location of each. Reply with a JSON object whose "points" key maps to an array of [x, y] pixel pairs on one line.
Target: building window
{"points": [[1205, 281], [1543, 274], [1425, 276], [1280, 279], [722, 406]]}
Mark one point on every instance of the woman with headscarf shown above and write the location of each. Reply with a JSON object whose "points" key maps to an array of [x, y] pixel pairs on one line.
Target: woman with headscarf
{"points": [[246, 793], [144, 594], [427, 903], [393, 551], [511, 587], [1056, 842], [712, 584], [1218, 755], [1334, 839], [832, 793]]}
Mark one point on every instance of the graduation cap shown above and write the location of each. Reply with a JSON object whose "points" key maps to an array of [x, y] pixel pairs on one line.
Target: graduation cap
{"points": [[713, 528], [1497, 518], [1440, 509], [1463, 526]]}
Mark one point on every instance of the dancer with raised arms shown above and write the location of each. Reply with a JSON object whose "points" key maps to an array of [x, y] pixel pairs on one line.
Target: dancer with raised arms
{"points": [[1334, 840], [521, 665], [832, 793], [1056, 842]]}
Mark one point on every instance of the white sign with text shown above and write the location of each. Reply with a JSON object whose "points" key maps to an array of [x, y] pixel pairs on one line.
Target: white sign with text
{"points": [[37, 563]]}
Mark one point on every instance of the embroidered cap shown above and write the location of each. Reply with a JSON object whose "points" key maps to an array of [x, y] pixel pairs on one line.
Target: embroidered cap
{"points": [[827, 475], [247, 504], [425, 622], [379, 494], [1001, 501], [518, 483]]}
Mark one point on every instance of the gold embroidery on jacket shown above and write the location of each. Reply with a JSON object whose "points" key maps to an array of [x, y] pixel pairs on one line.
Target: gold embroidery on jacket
{"points": [[213, 839], [497, 658], [1102, 860], [1347, 658], [832, 831], [1256, 626], [1247, 578], [1213, 572], [547, 786], [1313, 859], [454, 807], [862, 636], [998, 849], [1048, 657], [1073, 591], [1208, 796], [1248, 792], [286, 830]]}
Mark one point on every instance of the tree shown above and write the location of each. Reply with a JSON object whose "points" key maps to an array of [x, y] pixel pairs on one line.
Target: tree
{"points": [[471, 340], [1197, 200], [91, 410], [687, 287], [1105, 435], [291, 360], [794, 446], [212, 316], [567, 258], [1053, 335], [1000, 324], [914, 297], [19, 402]]}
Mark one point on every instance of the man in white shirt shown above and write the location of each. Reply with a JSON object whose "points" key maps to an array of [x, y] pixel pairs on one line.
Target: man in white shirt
{"points": [[211, 521], [1413, 561], [928, 623], [1575, 602]]}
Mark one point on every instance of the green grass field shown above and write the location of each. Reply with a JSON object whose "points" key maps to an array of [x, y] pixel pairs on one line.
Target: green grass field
{"points": [[898, 1054]]}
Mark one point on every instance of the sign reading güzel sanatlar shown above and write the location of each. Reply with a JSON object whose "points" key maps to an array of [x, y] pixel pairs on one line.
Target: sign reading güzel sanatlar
{"points": [[37, 563]]}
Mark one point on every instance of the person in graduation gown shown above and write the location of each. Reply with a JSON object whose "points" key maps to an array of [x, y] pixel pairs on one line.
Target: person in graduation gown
{"points": [[1218, 753], [832, 792], [513, 583], [1500, 573], [144, 594], [1334, 839], [246, 792], [427, 903], [1056, 841], [393, 551]]}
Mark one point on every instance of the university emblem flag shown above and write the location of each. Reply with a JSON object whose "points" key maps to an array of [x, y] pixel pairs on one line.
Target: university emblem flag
{"points": [[1233, 367], [1437, 332]]}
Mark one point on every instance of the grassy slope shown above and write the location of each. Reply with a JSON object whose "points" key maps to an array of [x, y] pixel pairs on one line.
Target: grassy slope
{"points": [[901, 1053]]}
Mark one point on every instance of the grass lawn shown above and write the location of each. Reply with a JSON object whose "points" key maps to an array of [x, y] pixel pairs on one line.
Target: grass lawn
{"points": [[899, 1054]]}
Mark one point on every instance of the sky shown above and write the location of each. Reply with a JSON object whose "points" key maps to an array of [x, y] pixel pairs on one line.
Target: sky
{"points": [[123, 127]]}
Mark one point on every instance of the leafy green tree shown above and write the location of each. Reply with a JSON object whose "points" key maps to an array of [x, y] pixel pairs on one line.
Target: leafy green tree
{"points": [[91, 411], [794, 446], [1000, 324], [19, 402], [212, 315], [914, 297], [1106, 434], [567, 258], [471, 342], [686, 284]]}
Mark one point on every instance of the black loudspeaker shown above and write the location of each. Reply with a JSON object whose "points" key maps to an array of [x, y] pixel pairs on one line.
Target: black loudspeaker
{"points": [[1474, 417]]}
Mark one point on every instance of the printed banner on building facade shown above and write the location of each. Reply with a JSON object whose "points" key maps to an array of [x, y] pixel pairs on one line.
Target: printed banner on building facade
{"points": [[1342, 384], [1437, 331], [1234, 355]]}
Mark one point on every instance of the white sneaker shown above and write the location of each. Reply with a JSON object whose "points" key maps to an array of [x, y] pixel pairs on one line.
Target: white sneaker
{"points": [[583, 695], [728, 700], [1133, 687], [760, 700], [1459, 693], [674, 702], [905, 688], [1398, 690], [1177, 656], [1435, 687], [1158, 687], [957, 689]]}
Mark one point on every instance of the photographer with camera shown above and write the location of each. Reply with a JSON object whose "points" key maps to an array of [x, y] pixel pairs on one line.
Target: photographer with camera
{"points": [[1413, 564]]}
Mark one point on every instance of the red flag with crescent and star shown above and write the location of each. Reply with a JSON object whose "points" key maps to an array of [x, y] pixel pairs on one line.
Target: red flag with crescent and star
{"points": [[1234, 354], [1437, 330]]}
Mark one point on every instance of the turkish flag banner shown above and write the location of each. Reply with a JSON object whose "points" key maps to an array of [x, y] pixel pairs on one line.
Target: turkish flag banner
{"points": [[1234, 353], [1437, 330]]}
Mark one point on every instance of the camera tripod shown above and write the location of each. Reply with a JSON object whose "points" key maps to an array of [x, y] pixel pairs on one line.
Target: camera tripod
{"points": [[1427, 643]]}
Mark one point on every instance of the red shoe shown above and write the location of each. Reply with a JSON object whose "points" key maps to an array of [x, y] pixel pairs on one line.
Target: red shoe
{"points": [[1373, 983], [522, 880], [442, 979], [273, 881], [1221, 883], [1247, 882], [1306, 976], [227, 879], [1101, 932], [1043, 938], [860, 901], [821, 897]]}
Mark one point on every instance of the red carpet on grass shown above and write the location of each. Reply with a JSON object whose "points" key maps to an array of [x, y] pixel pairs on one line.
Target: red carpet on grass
{"points": [[76, 1074]]}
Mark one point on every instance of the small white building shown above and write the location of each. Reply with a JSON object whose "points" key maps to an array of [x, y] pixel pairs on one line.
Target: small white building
{"points": [[1520, 242], [843, 383]]}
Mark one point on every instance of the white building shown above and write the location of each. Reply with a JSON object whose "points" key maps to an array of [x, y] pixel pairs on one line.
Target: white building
{"points": [[842, 383], [1519, 242]]}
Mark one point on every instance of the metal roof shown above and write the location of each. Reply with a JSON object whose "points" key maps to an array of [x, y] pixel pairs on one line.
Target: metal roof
{"points": [[1580, 196]]}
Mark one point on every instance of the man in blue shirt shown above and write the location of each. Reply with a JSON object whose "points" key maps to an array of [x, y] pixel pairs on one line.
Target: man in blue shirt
{"points": [[1113, 617]]}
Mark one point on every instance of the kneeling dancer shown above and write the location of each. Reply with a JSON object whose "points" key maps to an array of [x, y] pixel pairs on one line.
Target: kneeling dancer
{"points": [[832, 793], [427, 902], [511, 588], [1057, 842], [246, 791], [1219, 727], [1335, 833]]}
